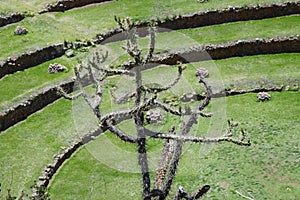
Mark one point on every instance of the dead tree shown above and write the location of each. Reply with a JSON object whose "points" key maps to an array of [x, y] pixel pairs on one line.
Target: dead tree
{"points": [[146, 98]]}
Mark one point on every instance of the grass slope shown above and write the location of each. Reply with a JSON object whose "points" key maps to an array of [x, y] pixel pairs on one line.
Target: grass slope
{"points": [[235, 73], [85, 23], [43, 133], [268, 169]]}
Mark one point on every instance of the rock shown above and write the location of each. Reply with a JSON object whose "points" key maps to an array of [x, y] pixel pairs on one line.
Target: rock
{"points": [[55, 68], [263, 96], [20, 30], [154, 117], [202, 72], [70, 53]]}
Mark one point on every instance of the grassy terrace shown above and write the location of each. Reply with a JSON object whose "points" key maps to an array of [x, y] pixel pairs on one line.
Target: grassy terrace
{"points": [[37, 77], [43, 133], [86, 23], [268, 170]]}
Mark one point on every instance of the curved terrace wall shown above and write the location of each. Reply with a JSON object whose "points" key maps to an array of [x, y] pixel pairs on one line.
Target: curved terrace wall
{"points": [[193, 20], [232, 14], [22, 110], [26, 60], [11, 18], [207, 18], [194, 54], [237, 48], [63, 5]]}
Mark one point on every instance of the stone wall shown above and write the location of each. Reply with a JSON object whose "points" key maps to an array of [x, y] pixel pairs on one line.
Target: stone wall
{"points": [[232, 49], [26, 60], [207, 18], [49, 171], [178, 22], [36, 102], [11, 18], [63, 5], [195, 54], [232, 14]]}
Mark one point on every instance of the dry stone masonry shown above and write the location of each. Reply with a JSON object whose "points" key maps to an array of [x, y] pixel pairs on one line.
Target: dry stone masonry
{"points": [[6, 19], [63, 5]]}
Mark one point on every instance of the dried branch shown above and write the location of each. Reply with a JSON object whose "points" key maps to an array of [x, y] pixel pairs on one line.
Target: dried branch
{"points": [[164, 161], [172, 169], [123, 98], [151, 44], [63, 93], [181, 194], [119, 133], [98, 97], [117, 117], [244, 196], [160, 89], [98, 59], [201, 139], [208, 94], [80, 84], [167, 108]]}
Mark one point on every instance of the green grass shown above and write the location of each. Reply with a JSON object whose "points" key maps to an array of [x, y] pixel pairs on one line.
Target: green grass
{"points": [[56, 127], [138, 8], [265, 28], [34, 80], [233, 73], [23, 5], [267, 169], [86, 23], [26, 148]]}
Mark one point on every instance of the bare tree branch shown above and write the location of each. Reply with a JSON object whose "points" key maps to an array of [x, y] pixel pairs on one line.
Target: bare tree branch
{"points": [[164, 161], [145, 100], [167, 108], [181, 194], [201, 139], [123, 98], [80, 84], [62, 92], [120, 134], [160, 89], [152, 42]]}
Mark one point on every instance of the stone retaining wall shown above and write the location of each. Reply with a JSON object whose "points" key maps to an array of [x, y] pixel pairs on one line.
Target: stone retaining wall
{"points": [[11, 18], [178, 22], [26, 60], [63, 5], [22, 110], [232, 14], [219, 51], [49, 171], [232, 49], [207, 18]]}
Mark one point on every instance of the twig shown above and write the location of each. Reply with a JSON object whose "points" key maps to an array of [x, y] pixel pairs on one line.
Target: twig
{"points": [[250, 198], [120, 134], [194, 139]]}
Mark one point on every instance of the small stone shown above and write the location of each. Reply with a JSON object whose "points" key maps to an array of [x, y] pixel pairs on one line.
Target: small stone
{"points": [[70, 53], [154, 117], [202, 72], [56, 67], [263, 96], [20, 30]]}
